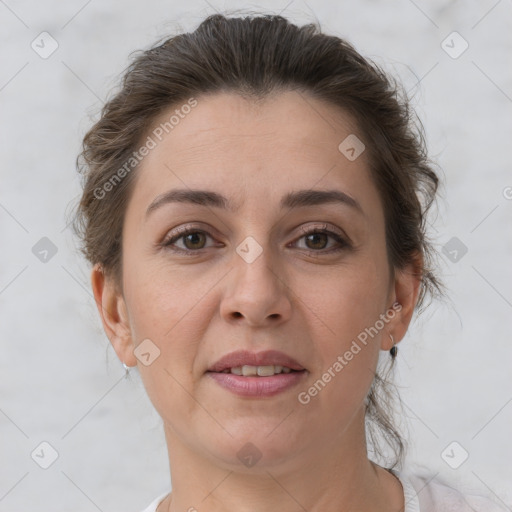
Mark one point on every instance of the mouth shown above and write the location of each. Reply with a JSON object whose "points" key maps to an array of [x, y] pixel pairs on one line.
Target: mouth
{"points": [[263, 364], [259, 371], [256, 374], [254, 385]]}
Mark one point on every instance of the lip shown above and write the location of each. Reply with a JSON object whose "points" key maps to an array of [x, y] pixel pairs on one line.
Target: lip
{"points": [[258, 387], [245, 357]]}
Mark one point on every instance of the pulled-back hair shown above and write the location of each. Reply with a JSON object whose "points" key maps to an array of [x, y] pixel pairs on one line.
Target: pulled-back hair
{"points": [[255, 56]]}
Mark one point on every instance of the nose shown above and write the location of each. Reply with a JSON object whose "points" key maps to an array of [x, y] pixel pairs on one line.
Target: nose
{"points": [[257, 293]]}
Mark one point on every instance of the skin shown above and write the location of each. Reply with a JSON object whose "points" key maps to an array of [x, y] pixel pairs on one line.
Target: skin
{"points": [[295, 297]]}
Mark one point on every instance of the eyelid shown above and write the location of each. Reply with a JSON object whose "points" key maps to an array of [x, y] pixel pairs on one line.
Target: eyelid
{"points": [[182, 231], [323, 227], [344, 242]]}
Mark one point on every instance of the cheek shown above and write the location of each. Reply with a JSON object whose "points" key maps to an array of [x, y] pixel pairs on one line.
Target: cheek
{"points": [[169, 311], [162, 309], [162, 298], [343, 308], [348, 298]]}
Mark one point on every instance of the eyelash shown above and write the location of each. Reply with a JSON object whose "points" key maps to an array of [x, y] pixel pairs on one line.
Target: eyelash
{"points": [[183, 232]]}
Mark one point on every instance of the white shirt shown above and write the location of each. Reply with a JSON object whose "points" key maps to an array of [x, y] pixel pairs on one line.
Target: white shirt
{"points": [[421, 494]]}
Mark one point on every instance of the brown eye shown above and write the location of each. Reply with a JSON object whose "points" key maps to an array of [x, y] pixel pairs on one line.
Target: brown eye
{"points": [[194, 240], [187, 240], [317, 240]]}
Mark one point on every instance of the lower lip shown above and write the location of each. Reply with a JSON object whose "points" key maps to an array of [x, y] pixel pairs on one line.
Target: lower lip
{"points": [[257, 386]]}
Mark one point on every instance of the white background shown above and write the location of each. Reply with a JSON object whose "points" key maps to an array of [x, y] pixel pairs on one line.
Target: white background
{"points": [[60, 381]]}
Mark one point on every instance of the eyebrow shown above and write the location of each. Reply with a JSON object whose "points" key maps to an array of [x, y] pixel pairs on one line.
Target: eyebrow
{"points": [[297, 199]]}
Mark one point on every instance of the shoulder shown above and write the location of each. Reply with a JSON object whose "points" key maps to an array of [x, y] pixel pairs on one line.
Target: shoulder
{"points": [[427, 492], [154, 504]]}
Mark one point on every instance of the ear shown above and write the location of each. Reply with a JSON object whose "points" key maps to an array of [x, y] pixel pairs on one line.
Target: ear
{"points": [[404, 295], [114, 315]]}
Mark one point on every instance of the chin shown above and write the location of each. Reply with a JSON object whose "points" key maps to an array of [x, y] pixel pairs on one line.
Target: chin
{"points": [[255, 447]]}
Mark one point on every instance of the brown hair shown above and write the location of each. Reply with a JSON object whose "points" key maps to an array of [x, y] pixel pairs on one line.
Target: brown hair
{"points": [[254, 57]]}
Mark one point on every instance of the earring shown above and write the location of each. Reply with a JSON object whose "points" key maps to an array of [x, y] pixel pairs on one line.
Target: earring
{"points": [[126, 370], [394, 349]]}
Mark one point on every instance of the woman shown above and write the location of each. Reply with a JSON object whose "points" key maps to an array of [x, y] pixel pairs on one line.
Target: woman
{"points": [[254, 210]]}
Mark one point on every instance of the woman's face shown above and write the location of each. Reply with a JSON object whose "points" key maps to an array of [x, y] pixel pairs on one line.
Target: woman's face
{"points": [[249, 277]]}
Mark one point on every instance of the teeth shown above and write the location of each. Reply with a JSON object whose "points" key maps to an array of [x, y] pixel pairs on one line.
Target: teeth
{"points": [[261, 371], [264, 371]]}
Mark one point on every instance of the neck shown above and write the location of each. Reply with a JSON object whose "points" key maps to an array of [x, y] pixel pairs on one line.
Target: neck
{"points": [[335, 476]]}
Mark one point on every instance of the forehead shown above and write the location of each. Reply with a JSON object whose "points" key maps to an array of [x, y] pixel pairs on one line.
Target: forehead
{"points": [[244, 148], [226, 123]]}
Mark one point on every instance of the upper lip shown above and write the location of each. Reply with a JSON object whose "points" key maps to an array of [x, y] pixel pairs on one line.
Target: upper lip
{"points": [[245, 357]]}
